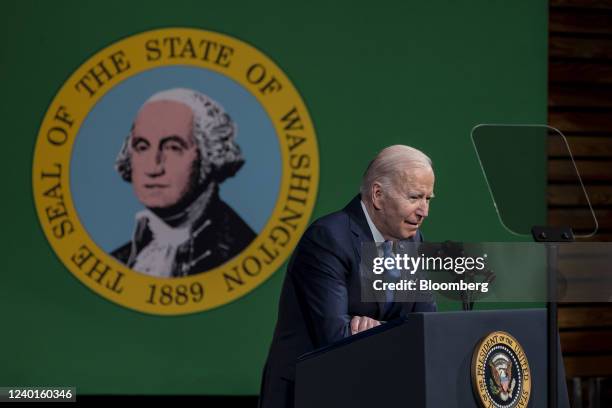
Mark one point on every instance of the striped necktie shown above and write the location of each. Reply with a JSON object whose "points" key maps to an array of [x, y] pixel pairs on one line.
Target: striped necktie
{"points": [[392, 275]]}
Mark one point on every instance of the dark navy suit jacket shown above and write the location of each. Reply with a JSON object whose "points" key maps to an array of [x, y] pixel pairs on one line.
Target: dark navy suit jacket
{"points": [[320, 295]]}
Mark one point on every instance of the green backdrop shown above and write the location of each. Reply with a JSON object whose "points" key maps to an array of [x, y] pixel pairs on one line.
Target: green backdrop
{"points": [[371, 74]]}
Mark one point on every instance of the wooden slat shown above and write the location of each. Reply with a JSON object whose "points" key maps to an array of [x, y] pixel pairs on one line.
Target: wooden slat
{"points": [[589, 170], [575, 271], [584, 291], [579, 96], [589, 262], [586, 273], [599, 237], [571, 251], [581, 72], [581, 121], [579, 218], [569, 21], [584, 252], [588, 366], [596, 4], [570, 47], [586, 398], [585, 316], [587, 341], [573, 195], [580, 146]]}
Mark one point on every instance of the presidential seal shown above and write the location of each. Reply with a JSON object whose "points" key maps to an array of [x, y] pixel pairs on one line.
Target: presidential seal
{"points": [[500, 372], [175, 170]]}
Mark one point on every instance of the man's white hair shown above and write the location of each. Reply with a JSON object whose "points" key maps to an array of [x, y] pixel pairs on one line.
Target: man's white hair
{"points": [[213, 130], [389, 165]]}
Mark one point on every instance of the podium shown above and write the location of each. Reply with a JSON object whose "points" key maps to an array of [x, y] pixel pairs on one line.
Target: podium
{"points": [[423, 360]]}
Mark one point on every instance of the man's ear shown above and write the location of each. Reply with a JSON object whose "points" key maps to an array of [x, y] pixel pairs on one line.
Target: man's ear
{"points": [[376, 194]]}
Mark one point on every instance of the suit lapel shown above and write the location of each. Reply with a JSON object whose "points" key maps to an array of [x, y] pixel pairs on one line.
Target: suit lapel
{"points": [[359, 226], [361, 233]]}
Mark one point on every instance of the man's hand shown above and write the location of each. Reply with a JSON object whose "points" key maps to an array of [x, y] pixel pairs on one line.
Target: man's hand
{"points": [[361, 323]]}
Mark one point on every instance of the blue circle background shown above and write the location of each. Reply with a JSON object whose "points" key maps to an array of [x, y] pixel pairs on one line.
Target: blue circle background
{"points": [[106, 205]]}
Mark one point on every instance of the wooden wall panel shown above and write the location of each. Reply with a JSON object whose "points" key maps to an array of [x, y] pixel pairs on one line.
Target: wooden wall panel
{"points": [[581, 4], [579, 21], [562, 195], [579, 96], [580, 47], [581, 147], [572, 122], [580, 105], [579, 72]]}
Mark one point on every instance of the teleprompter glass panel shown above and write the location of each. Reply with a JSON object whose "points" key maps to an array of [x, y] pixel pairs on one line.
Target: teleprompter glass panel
{"points": [[526, 168]]}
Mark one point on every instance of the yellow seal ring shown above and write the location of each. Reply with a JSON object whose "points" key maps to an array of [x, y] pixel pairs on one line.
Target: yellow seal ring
{"points": [[481, 370], [213, 51]]}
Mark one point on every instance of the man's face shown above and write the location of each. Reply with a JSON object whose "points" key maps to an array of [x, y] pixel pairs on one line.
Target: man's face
{"points": [[402, 210], [164, 154]]}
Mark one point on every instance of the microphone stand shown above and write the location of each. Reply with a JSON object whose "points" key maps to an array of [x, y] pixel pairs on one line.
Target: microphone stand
{"points": [[455, 250]]}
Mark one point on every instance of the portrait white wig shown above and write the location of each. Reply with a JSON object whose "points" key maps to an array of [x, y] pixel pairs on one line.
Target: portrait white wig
{"points": [[213, 130]]}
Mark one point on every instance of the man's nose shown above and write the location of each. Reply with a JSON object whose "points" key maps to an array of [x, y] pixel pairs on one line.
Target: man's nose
{"points": [[155, 165], [423, 209]]}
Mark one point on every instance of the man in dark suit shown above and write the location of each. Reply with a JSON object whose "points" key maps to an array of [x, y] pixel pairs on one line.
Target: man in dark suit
{"points": [[321, 297], [180, 148]]}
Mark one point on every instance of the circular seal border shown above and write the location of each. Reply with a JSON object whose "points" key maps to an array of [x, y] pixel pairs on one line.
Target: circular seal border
{"points": [[130, 56], [480, 356]]}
